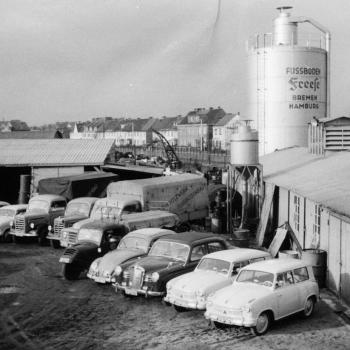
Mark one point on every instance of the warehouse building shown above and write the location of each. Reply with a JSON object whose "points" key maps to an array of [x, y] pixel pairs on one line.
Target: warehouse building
{"points": [[44, 158]]}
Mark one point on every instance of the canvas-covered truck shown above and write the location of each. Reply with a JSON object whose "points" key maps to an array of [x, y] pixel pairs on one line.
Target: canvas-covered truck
{"points": [[77, 209], [185, 195], [89, 184], [94, 238], [41, 212]]}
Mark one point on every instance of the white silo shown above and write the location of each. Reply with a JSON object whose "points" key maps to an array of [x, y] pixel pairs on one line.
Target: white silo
{"points": [[288, 81]]}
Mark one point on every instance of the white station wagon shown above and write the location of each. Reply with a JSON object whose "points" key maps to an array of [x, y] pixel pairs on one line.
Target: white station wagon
{"points": [[264, 292], [214, 271]]}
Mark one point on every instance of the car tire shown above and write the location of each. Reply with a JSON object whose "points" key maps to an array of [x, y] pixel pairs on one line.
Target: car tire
{"points": [[308, 307], [263, 323], [71, 272], [179, 308], [55, 243], [42, 234], [7, 237]]}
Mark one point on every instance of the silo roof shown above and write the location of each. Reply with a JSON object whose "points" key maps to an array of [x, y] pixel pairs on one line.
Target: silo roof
{"points": [[53, 152], [322, 179]]}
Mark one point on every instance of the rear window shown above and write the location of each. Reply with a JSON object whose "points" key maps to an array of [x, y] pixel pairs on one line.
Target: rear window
{"points": [[300, 275]]}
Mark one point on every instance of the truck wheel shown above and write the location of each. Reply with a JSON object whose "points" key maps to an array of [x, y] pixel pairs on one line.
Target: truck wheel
{"points": [[55, 243], [7, 237], [71, 272], [42, 234]]}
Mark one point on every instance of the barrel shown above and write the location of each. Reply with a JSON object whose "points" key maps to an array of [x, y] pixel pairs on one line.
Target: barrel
{"points": [[240, 238], [24, 189], [288, 254], [317, 258]]}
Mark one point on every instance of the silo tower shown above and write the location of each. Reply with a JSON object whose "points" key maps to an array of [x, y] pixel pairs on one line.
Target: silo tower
{"points": [[288, 81]]}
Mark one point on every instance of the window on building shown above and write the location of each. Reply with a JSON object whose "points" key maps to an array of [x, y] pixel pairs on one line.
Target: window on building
{"points": [[317, 219], [296, 219]]}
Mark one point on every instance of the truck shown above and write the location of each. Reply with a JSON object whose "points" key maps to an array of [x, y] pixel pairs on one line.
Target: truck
{"points": [[94, 238], [41, 212], [89, 184], [77, 209]]}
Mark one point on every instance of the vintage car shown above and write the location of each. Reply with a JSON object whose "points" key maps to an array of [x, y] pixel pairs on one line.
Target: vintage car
{"points": [[77, 209], [7, 215], [134, 244], [169, 257], [95, 239], [41, 212], [214, 271], [264, 292]]}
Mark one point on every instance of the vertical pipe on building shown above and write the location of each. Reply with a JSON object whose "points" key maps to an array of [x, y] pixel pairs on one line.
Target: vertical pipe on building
{"points": [[24, 189]]}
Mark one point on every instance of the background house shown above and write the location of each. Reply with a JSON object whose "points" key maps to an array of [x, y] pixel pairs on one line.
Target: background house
{"points": [[223, 130]]}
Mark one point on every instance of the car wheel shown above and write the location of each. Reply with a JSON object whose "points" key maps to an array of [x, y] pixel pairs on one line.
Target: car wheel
{"points": [[179, 308], [309, 307], [7, 237], [71, 271], [262, 324], [55, 243], [42, 234]]}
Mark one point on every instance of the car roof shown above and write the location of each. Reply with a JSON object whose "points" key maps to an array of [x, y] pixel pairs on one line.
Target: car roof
{"points": [[2, 203], [49, 197], [15, 206], [190, 237], [150, 232], [238, 254], [84, 199], [277, 265]]}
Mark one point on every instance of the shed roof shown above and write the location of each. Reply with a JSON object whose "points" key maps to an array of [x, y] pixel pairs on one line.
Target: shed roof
{"points": [[54, 152], [322, 179]]}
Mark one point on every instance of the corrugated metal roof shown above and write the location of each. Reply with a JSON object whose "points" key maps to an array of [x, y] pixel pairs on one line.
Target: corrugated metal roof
{"points": [[53, 152], [322, 179]]}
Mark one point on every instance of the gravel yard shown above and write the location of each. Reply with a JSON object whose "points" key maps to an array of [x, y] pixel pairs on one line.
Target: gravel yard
{"points": [[40, 310]]}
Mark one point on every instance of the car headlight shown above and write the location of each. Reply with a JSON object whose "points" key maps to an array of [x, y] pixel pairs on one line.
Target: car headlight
{"points": [[199, 293], [94, 266], [31, 225], [49, 227], [155, 276], [118, 270]]}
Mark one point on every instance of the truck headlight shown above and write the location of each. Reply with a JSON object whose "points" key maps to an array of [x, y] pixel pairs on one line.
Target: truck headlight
{"points": [[118, 270], [31, 225], [49, 227], [155, 276]]}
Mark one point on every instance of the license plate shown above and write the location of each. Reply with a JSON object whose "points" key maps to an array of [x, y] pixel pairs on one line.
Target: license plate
{"points": [[129, 291], [64, 260]]}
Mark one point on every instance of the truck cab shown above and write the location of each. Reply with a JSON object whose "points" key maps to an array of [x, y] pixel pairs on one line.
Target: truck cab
{"points": [[77, 209], [41, 212]]}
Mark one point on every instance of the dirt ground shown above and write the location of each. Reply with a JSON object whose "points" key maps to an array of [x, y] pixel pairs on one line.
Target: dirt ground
{"points": [[40, 310]]}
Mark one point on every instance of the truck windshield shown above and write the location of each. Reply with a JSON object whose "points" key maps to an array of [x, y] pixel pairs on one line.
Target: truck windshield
{"points": [[77, 208], [133, 242], [38, 204], [255, 276], [172, 250], [7, 212], [216, 265], [86, 234], [106, 213]]}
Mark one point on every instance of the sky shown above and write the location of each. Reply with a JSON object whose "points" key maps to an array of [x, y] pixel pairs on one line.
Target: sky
{"points": [[72, 60]]}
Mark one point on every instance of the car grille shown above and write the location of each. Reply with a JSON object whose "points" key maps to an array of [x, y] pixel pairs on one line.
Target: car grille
{"points": [[137, 278], [58, 226], [20, 223], [72, 238]]}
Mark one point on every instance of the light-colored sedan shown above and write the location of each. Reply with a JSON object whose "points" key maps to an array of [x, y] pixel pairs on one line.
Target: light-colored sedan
{"points": [[264, 292], [135, 244], [7, 216], [214, 271]]}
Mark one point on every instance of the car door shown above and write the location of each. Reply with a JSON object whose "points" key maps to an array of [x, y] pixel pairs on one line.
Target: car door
{"points": [[302, 282], [287, 296]]}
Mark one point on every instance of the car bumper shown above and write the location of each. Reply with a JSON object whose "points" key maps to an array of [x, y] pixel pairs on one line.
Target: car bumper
{"points": [[230, 320], [99, 279], [135, 292], [189, 304], [31, 233]]}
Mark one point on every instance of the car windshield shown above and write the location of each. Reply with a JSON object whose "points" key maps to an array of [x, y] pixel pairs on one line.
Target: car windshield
{"points": [[77, 208], [255, 276], [38, 204], [87, 234], [216, 265], [172, 250], [7, 212], [103, 212], [133, 242]]}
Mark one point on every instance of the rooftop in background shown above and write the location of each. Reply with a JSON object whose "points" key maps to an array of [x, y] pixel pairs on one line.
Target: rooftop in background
{"points": [[202, 115], [55, 152], [322, 179]]}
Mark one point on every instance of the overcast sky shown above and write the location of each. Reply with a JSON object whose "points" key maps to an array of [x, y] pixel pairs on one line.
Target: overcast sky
{"points": [[76, 59]]}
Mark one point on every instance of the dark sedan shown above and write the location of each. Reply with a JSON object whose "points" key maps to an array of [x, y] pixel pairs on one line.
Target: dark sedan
{"points": [[169, 257]]}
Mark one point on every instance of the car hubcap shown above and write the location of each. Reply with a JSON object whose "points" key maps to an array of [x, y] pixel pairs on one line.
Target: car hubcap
{"points": [[308, 307], [262, 323]]}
